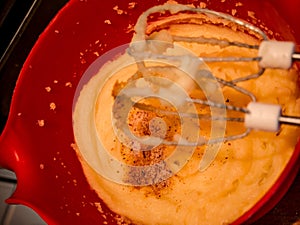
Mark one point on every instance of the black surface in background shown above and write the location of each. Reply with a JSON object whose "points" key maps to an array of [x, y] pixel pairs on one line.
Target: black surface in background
{"points": [[286, 212], [12, 13]]}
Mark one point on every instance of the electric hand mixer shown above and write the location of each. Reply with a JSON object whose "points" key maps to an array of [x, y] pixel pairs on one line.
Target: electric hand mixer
{"points": [[168, 74], [269, 54]]}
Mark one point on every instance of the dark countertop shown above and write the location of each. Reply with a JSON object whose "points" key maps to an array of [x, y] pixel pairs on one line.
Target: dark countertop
{"points": [[287, 211]]}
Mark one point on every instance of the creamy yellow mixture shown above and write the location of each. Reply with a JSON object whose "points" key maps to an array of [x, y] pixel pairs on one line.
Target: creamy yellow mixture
{"points": [[244, 169]]}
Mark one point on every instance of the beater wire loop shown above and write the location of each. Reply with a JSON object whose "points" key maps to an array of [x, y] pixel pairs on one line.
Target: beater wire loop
{"points": [[144, 51]]}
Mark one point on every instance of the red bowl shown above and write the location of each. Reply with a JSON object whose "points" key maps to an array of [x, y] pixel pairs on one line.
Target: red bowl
{"points": [[50, 177]]}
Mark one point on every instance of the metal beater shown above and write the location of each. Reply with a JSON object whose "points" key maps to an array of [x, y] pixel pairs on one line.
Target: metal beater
{"points": [[270, 54]]}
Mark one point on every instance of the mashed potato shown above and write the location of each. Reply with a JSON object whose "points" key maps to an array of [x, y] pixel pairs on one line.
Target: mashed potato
{"points": [[244, 169]]}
